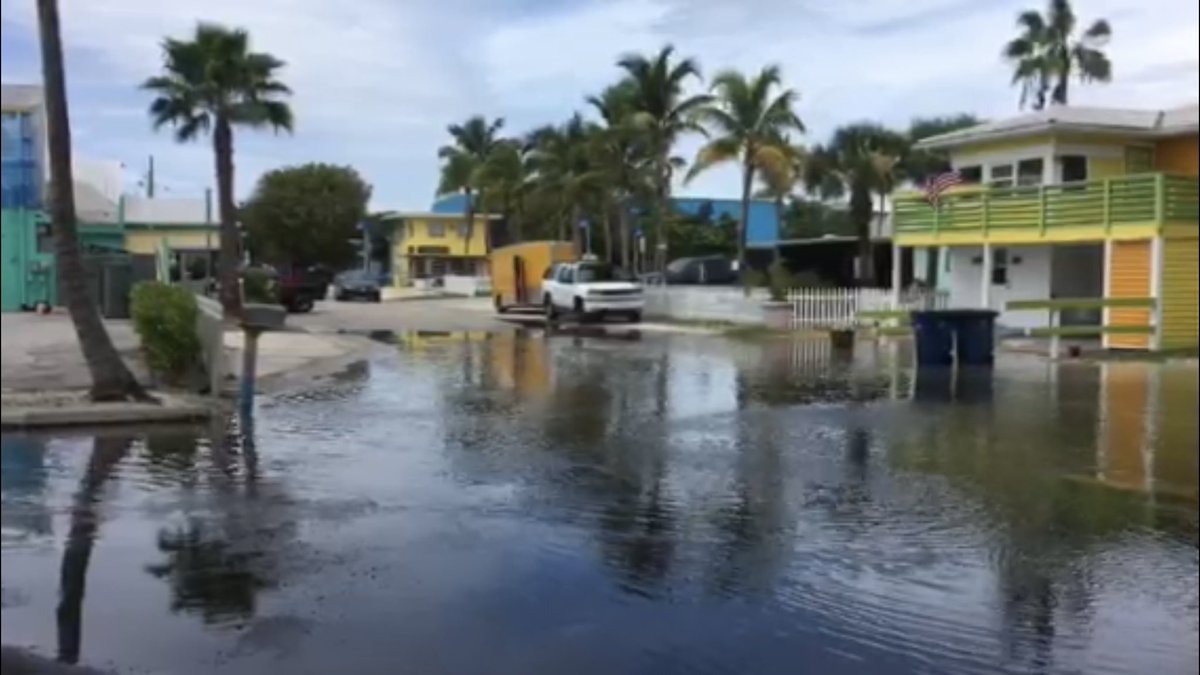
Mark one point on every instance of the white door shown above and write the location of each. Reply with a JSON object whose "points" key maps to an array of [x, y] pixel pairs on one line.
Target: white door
{"points": [[564, 287]]}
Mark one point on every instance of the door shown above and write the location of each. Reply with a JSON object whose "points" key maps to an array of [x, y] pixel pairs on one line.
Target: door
{"points": [[564, 286], [1128, 277], [519, 290]]}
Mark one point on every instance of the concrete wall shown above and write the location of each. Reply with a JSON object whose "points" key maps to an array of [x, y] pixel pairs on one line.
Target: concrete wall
{"points": [[705, 303], [1028, 279]]}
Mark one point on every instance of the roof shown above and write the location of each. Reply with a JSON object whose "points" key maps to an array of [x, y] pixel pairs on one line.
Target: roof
{"points": [[1115, 121], [437, 215]]}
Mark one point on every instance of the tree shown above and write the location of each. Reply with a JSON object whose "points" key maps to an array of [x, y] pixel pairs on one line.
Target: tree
{"points": [[749, 123], [860, 159], [920, 165], [1046, 52], [662, 113], [462, 161], [620, 161], [111, 378], [561, 160], [504, 180], [780, 177], [306, 215], [214, 82]]}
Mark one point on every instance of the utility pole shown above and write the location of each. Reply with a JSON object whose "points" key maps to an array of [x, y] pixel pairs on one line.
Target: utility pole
{"points": [[150, 178]]}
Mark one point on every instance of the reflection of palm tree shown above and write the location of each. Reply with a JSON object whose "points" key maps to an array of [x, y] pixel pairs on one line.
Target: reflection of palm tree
{"points": [[106, 452]]}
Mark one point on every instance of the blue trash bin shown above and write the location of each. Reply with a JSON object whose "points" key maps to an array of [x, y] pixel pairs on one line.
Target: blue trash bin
{"points": [[934, 337], [975, 332]]}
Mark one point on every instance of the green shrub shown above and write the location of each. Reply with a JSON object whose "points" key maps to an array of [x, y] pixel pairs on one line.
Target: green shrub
{"points": [[259, 285], [164, 317], [779, 281], [752, 278]]}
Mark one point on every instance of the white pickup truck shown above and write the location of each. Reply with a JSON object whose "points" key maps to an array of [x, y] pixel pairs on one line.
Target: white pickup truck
{"points": [[591, 289]]}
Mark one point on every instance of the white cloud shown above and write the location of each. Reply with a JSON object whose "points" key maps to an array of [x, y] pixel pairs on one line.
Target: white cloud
{"points": [[376, 81]]}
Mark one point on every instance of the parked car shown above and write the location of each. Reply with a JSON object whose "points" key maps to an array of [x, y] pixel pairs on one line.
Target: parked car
{"points": [[702, 270], [299, 290], [357, 284], [591, 289]]}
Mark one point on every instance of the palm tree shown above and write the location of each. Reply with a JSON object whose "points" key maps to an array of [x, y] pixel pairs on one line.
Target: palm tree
{"points": [[663, 113], [779, 178], [860, 159], [921, 165], [214, 82], [619, 155], [111, 378], [749, 121], [1046, 52], [462, 161], [504, 179], [560, 158]]}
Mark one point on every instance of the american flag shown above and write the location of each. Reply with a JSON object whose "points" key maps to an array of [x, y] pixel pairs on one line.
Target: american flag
{"points": [[939, 184]]}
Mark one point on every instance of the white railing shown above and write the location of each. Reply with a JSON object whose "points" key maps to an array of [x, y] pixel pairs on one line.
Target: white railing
{"points": [[841, 307]]}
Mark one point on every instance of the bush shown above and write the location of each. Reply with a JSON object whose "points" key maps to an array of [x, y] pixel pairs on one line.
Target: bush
{"points": [[260, 286], [164, 317], [779, 281]]}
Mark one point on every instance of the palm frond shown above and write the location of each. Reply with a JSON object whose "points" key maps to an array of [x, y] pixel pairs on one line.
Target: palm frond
{"points": [[716, 151]]}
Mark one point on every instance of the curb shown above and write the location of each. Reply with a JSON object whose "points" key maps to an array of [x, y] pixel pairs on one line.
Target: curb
{"points": [[173, 408]]}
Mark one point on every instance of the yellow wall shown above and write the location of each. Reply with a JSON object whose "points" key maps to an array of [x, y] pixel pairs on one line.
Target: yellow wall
{"points": [[1129, 277], [145, 242], [415, 232], [1179, 155], [1180, 304]]}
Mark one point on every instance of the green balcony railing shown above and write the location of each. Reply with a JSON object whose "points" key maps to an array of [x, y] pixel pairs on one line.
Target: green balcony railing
{"points": [[1108, 202]]}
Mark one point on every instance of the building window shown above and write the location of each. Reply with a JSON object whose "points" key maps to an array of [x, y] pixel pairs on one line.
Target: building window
{"points": [[971, 174], [999, 266], [1001, 176], [1029, 171], [462, 230], [437, 230], [1073, 168]]}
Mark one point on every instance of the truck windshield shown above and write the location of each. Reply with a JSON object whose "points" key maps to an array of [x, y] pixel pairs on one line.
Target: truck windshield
{"points": [[588, 273]]}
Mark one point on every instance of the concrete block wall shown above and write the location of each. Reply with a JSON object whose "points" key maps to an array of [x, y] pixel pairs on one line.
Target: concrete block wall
{"points": [[705, 303]]}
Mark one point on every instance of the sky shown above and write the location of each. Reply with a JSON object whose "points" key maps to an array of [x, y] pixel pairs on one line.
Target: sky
{"points": [[376, 82]]}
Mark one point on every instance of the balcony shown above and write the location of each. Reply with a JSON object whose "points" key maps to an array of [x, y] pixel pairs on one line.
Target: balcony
{"points": [[1122, 206]]}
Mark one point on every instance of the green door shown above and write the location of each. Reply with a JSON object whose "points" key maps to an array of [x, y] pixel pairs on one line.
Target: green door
{"points": [[28, 274]]}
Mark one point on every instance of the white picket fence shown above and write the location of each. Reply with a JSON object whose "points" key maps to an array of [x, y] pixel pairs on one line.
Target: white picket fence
{"points": [[841, 307]]}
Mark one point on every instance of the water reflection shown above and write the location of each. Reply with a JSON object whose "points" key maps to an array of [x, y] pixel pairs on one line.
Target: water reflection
{"points": [[513, 503]]}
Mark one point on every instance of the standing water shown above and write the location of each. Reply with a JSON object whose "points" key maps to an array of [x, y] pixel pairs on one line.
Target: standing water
{"points": [[495, 503]]}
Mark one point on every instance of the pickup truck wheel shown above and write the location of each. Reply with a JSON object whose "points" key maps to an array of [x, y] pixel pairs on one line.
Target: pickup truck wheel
{"points": [[551, 310], [635, 317], [301, 304]]}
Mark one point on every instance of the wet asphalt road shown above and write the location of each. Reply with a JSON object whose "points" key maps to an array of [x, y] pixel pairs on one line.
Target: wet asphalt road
{"points": [[503, 503]]}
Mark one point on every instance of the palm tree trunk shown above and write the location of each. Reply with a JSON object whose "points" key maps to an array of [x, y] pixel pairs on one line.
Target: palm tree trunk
{"points": [[576, 239], [861, 213], [469, 215], [626, 235], [659, 253], [229, 258], [775, 257], [747, 182], [111, 378], [609, 232]]}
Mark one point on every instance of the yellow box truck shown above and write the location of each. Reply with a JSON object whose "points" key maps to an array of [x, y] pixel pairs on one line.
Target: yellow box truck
{"points": [[518, 269]]}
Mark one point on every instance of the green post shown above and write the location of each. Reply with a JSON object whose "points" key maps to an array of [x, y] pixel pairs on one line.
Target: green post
{"points": [[1107, 197], [1042, 209], [1160, 195]]}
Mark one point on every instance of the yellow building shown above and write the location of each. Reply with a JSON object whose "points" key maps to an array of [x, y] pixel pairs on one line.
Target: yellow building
{"points": [[1069, 203], [428, 245]]}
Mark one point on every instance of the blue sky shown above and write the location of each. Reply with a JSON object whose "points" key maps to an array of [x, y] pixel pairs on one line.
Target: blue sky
{"points": [[376, 81]]}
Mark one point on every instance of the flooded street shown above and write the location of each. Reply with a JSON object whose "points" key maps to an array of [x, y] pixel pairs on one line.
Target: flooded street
{"points": [[503, 503]]}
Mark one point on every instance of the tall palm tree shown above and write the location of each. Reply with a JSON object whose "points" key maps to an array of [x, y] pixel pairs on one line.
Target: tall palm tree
{"points": [[620, 158], [564, 170], [749, 121], [504, 180], [780, 178], [1047, 51], [463, 159], [214, 82], [111, 378], [860, 160], [663, 113]]}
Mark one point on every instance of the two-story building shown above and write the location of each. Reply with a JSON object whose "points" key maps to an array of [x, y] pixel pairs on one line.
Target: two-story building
{"points": [[1068, 202], [429, 245]]}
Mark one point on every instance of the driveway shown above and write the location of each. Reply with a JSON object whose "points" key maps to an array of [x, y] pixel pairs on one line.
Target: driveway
{"points": [[41, 352], [449, 314]]}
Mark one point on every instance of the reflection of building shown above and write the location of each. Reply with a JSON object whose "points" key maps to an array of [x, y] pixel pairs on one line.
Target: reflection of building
{"points": [[113, 226], [1068, 202], [520, 363], [1147, 440]]}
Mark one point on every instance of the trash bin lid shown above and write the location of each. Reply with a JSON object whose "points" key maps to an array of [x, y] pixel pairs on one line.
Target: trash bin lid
{"points": [[952, 314]]}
